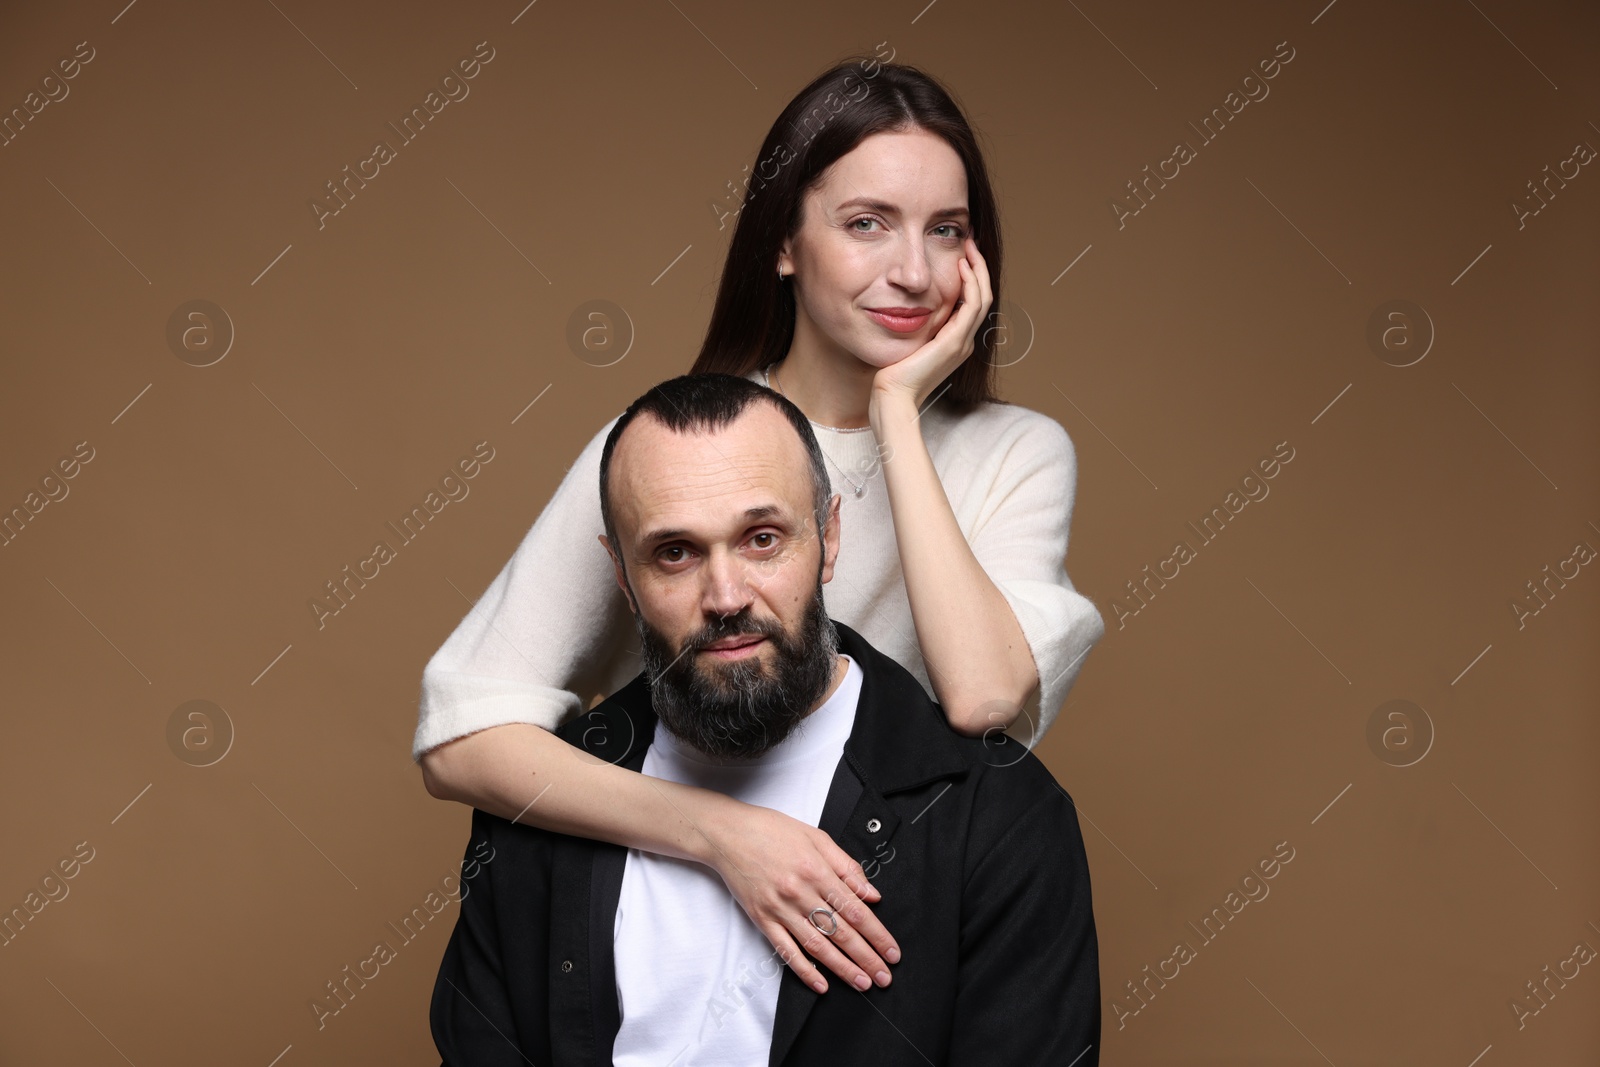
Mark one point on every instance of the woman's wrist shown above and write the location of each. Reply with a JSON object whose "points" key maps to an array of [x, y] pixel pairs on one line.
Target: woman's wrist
{"points": [[710, 816], [891, 410]]}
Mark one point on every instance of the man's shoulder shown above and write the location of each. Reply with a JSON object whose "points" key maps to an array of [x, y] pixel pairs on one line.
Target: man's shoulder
{"points": [[1012, 812], [1008, 776], [616, 730], [1004, 774]]}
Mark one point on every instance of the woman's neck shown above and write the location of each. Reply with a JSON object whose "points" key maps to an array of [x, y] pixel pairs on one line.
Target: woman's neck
{"points": [[831, 386]]}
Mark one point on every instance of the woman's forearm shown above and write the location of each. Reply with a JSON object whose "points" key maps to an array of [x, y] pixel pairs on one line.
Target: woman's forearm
{"points": [[776, 867], [978, 658], [527, 774]]}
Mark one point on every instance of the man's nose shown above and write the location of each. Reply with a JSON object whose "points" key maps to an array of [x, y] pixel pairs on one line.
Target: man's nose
{"points": [[728, 588]]}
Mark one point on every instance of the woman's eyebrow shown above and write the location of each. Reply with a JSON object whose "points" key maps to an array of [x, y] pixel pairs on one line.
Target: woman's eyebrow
{"points": [[889, 209]]}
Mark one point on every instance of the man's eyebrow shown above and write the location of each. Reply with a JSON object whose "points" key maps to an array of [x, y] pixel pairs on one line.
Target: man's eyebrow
{"points": [[886, 208], [672, 533]]}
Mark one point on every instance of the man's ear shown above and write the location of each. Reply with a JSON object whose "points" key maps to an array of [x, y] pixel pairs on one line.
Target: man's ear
{"points": [[616, 566], [830, 538]]}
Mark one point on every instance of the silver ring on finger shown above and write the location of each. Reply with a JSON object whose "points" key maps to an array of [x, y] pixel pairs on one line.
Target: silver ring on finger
{"points": [[833, 923]]}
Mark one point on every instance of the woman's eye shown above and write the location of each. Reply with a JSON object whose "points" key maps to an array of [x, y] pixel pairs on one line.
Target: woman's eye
{"points": [[955, 231], [864, 218]]}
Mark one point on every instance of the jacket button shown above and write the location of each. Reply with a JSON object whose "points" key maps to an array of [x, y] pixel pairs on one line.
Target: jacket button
{"points": [[566, 965], [873, 826]]}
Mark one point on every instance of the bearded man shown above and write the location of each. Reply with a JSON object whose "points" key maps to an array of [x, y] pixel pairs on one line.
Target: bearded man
{"points": [[722, 531]]}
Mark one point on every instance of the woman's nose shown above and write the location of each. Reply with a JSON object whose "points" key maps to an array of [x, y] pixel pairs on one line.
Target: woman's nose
{"points": [[910, 269]]}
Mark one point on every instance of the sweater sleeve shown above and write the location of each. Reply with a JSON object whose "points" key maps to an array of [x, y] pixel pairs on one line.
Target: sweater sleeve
{"points": [[1021, 541], [549, 632]]}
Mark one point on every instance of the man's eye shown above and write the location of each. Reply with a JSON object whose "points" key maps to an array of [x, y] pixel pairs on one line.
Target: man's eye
{"points": [[666, 554], [771, 540]]}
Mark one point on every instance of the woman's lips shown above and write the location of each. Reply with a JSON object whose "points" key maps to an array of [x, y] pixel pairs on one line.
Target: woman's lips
{"points": [[901, 323]]}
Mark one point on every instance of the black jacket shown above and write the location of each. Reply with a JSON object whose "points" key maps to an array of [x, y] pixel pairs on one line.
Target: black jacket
{"points": [[976, 850]]}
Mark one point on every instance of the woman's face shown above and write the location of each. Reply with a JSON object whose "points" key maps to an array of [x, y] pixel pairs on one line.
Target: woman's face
{"points": [[874, 261]]}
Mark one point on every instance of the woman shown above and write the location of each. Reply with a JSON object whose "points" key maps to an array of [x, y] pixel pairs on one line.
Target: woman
{"points": [[865, 257]]}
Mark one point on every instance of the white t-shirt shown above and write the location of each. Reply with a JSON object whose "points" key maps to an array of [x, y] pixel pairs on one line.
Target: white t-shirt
{"points": [[697, 983], [553, 629]]}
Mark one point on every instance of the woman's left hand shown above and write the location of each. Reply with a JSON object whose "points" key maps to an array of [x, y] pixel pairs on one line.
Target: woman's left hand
{"points": [[920, 373]]}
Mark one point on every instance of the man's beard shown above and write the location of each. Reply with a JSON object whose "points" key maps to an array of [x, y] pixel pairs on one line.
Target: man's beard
{"points": [[740, 709]]}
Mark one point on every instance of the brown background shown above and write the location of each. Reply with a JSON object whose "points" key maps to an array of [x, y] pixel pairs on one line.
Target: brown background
{"points": [[1229, 715]]}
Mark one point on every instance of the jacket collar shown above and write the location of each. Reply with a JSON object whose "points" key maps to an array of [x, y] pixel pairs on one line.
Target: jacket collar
{"points": [[903, 740]]}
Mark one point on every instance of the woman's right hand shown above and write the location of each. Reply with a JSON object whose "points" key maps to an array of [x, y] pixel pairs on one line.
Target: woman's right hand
{"points": [[779, 869]]}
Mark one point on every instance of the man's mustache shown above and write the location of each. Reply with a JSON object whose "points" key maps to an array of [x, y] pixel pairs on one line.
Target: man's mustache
{"points": [[741, 625]]}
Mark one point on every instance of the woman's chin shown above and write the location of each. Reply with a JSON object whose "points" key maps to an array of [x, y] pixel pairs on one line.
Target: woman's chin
{"points": [[881, 352]]}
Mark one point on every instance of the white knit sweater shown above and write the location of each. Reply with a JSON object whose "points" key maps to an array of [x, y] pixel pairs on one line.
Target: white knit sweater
{"points": [[553, 629]]}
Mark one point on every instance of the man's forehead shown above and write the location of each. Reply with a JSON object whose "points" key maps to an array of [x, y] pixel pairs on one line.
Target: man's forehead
{"points": [[710, 477]]}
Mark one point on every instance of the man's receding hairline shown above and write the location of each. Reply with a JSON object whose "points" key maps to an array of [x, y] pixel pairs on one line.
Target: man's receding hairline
{"points": [[705, 430]]}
